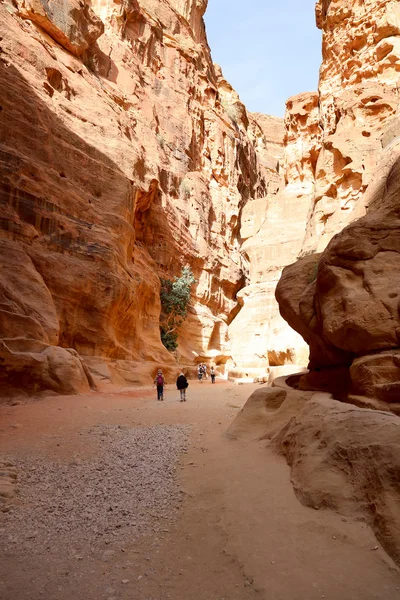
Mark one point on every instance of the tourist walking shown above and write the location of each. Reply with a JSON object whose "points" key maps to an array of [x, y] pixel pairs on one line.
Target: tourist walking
{"points": [[205, 370], [159, 381], [200, 373], [212, 373], [182, 385]]}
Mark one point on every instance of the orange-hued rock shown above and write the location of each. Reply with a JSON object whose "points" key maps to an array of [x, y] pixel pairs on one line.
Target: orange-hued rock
{"points": [[124, 156], [273, 231], [71, 23], [350, 312], [358, 99]]}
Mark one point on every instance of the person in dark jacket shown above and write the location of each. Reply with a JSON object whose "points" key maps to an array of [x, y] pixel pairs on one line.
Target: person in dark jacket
{"points": [[182, 384]]}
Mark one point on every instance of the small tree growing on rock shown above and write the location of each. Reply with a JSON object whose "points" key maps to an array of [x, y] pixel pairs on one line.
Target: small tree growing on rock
{"points": [[175, 298]]}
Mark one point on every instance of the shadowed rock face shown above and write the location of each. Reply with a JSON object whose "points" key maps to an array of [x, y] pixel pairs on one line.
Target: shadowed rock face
{"points": [[124, 155]]}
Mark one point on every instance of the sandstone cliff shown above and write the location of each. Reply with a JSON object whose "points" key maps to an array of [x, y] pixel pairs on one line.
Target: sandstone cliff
{"points": [[272, 230], [358, 100], [125, 154], [344, 302]]}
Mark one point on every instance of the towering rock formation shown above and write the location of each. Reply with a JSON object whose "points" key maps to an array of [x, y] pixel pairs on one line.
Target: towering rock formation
{"points": [[125, 154], [272, 230], [358, 99], [345, 301]]}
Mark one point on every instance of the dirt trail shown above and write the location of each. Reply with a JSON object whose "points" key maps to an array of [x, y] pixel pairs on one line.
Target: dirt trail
{"points": [[237, 531]]}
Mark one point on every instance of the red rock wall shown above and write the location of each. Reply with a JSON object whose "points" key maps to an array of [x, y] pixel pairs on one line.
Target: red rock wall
{"points": [[124, 154]]}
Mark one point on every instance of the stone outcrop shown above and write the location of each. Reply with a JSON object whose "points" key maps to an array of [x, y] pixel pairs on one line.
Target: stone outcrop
{"points": [[124, 155], [342, 457], [358, 100], [71, 23], [344, 302]]}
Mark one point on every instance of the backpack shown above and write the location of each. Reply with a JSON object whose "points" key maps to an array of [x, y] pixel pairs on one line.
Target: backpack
{"points": [[160, 380]]}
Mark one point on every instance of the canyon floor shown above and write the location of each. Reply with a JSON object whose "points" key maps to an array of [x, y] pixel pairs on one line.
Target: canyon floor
{"points": [[124, 497]]}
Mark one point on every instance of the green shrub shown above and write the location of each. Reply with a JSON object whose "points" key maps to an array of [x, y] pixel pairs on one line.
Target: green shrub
{"points": [[169, 339], [175, 298]]}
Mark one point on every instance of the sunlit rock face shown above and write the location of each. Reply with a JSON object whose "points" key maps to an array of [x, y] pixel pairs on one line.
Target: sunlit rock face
{"points": [[125, 155], [344, 302], [358, 97], [332, 143], [272, 230]]}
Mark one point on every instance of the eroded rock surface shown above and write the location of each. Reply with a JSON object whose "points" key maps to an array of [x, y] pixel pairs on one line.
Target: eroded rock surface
{"points": [[125, 155], [349, 312], [71, 23], [272, 230], [342, 457], [345, 301]]}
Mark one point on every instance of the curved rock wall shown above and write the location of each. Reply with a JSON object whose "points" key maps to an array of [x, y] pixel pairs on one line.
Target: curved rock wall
{"points": [[124, 154], [345, 301]]}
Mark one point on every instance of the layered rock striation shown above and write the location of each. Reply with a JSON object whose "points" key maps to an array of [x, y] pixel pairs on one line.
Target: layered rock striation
{"points": [[124, 155], [358, 100]]}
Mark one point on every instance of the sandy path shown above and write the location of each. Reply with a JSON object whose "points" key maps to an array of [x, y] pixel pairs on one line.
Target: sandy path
{"points": [[238, 533]]}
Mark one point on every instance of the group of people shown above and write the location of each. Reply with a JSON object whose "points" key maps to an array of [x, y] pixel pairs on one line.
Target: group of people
{"points": [[202, 372], [181, 383]]}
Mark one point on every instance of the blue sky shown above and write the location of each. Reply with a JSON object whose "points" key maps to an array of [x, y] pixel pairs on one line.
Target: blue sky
{"points": [[268, 49]]}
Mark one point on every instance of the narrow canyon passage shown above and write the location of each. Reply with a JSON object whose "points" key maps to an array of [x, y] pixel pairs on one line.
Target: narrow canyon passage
{"points": [[125, 497]]}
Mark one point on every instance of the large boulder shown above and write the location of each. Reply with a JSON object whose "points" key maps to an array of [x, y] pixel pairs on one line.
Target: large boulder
{"points": [[346, 459], [295, 294], [350, 312], [342, 457], [31, 366]]}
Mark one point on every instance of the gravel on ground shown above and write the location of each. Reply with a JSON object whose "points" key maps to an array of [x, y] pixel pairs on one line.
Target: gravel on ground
{"points": [[129, 488]]}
